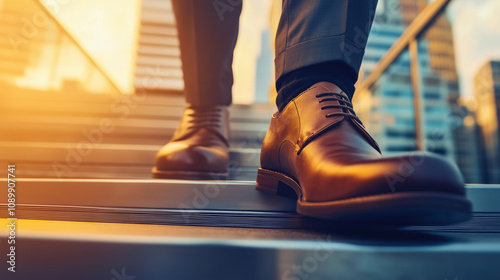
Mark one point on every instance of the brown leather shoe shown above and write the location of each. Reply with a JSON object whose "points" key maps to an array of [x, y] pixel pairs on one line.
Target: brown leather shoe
{"points": [[317, 150], [199, 148]]}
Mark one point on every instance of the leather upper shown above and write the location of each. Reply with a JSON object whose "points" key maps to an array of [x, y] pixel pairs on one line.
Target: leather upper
{"points": [[200, 143], [318, 141]]}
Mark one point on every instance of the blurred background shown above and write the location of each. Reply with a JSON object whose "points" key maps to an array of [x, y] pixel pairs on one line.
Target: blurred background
{"points": [[92, 89]]}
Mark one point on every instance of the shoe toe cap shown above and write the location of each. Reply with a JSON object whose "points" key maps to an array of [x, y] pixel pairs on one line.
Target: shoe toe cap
{"points": [[182, 157], [422, 172]]}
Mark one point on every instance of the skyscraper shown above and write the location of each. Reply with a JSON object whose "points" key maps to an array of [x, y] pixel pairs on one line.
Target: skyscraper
{"points": [[440, 41], [469, 151], [487, 93]]}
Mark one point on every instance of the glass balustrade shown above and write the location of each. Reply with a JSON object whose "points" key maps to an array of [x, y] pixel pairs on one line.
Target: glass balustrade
{"points": [[38, 55]]}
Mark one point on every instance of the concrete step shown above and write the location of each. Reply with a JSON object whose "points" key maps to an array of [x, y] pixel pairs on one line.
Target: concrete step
{"points": [[67, 250], [153, 61], [166, 51], [127, 131], [184, 202], [164, 83], [121, 109], [106, 154], [68, 160], [146, 119], [101, 171], [163, 72], [157, 18], [157, 4], [150, 40], [150, 105], [158, 47]]}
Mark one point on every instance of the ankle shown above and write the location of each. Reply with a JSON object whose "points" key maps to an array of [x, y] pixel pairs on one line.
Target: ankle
{"points": [[295, 82]]}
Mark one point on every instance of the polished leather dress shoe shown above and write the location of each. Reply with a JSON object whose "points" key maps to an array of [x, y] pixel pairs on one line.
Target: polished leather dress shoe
{"points": [[317, 150], [199, 148]]}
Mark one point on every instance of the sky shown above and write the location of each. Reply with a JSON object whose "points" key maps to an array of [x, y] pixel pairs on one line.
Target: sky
{"points": [[476, 30], [254, 20]]}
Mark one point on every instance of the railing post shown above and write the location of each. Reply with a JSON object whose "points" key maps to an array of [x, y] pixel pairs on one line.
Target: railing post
{"points": [[417, 94], [415, 29]]}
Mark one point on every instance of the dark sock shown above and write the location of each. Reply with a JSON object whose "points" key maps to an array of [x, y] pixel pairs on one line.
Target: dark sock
{"points": [[292, 84]]}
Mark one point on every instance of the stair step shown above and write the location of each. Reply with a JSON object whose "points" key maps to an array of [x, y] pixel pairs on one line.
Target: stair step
{"points": [[22, 97], [158, 51], [157, 71], [158, 61], [165, 5], [104, 154], [99, 171], [159, 84], [128, 131], [158, 47], [152, 194], [143, 105], [61, 250], [48, 109], [198, 203], [162, 30], [158, 41], [157, 18], [220, 195]]}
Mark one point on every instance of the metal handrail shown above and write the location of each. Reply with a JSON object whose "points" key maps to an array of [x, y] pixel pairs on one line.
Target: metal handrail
{"points": [[408, 40], [78, 45], [418, 26]]}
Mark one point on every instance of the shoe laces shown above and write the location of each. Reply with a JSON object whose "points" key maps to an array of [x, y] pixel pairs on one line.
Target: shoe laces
{"points": [[343, 103]]}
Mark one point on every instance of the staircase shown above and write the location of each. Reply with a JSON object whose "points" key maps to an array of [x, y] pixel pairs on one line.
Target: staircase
{"points": [[87, 207], [158, 48], [84, 194], [56, 135]]}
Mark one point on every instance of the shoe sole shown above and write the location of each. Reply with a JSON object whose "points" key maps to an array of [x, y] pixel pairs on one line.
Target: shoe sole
{"points": [[189, 175], [392, 209]]}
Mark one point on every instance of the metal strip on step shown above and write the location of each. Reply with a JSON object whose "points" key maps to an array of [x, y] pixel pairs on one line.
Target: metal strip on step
{"points": [[181, 194], [181, 202], [159, 194]]}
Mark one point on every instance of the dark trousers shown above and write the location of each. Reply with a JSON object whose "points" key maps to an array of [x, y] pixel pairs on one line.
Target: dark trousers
{"points": [[310, 32]]}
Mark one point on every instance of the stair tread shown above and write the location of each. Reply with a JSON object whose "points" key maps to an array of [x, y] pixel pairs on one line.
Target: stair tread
{"points": [[104, 154], [158, 251], [172, 194]]}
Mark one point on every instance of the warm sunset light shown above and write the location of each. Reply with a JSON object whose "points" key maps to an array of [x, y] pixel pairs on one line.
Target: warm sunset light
{"points": [[249, 139]]}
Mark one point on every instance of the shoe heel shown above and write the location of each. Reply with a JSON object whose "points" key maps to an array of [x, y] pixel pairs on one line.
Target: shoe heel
{"points": [[266, 183], [270, 182]]}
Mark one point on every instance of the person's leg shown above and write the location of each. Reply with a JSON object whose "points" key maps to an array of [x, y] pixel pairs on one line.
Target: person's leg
{"points": [[317, 148], [207, 34], [320, 41]]}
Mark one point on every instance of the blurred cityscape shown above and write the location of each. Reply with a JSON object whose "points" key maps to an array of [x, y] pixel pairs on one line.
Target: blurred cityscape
{"points": [[39, 55], [460, 128], [90, 90]]}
